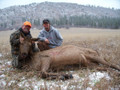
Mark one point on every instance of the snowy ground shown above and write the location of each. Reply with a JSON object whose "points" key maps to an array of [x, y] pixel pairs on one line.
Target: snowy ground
{"points": [[0, 55], [9, 78], [105, 41]]}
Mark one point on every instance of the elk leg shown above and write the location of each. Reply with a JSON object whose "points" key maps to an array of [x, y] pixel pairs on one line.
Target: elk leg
{"points": [[51, 76], [99, 60], [45, 66], [84, 61]]}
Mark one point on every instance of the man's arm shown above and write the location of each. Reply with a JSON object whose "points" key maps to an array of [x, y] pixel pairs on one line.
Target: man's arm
{"points": [[14, 39], [41, 36], [59, 37]]}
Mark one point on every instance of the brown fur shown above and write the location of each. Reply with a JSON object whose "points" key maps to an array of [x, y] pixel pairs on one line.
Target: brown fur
{"points": [[42, 46], [64, 55], [68, 55]]}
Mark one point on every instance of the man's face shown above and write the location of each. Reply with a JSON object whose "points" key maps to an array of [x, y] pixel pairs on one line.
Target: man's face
{"points": [[46, 26], [26, 29]]}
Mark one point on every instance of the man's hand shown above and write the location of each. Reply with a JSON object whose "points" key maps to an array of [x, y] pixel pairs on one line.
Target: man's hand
{"points": [[47, 41], [21, 39]]}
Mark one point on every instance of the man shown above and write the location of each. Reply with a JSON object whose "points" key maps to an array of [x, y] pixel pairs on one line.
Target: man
{"points": [[15, 40], [50, 35]]}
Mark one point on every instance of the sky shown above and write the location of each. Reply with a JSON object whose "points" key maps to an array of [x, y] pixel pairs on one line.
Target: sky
{"points": [[103, 3]]}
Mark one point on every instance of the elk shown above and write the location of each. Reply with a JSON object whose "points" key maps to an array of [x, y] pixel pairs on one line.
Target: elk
{"points": [[60, 56]]}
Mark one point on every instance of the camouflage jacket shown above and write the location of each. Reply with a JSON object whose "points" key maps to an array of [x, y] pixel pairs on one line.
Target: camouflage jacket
{"points": [[15, 42]]}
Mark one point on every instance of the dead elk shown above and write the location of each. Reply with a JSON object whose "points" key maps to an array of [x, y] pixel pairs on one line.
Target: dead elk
{"points": [[61, 56]]}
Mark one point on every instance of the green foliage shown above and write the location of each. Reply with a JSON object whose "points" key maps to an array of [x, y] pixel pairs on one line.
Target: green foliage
{"points": [[87, 21], [23, 19], [37, 22], [70, 21], [13, 22]]}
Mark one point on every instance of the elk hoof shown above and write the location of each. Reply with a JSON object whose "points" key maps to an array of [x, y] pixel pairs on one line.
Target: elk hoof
{"points": [[62, 78], [68, 76]]}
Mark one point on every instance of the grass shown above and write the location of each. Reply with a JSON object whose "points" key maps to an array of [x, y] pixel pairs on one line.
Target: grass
{"points": [[105, 41]]}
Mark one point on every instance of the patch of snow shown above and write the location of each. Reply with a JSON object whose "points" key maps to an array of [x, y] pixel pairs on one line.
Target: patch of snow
{"points": [[96, 76], [42, 83], [23, 83], [36, 84], [115, 88], [1, 61], [2, 83], [23, 78], [11, 82], [76, 76], [2, 76], [4, 64], [64, 87], [8, 63], [88, 88], [71, 71], [0, 55]]}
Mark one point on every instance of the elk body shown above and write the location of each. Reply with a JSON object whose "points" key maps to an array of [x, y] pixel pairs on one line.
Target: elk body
{"points": [[67, 55], [61, 56]]}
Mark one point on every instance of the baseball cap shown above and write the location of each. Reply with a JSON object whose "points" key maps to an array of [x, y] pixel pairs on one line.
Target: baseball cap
{"points": [[46, 21], [26, 23]]}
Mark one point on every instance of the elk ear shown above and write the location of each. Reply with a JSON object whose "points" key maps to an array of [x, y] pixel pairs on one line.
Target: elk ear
{"points": [[22, 35], [34, 39]]}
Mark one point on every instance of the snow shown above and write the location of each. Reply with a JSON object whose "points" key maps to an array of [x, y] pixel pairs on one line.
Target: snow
{"points": [[2, 82], [75, 83], [8, 63], [2, 76], [11, 82], [96, 76], [88, 88], [0, 55], [24, 83], [36, 84], [3, 63], [76, 76]]}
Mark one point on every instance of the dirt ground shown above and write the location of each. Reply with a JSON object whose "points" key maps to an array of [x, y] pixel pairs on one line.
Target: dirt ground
{"points": [[105, 41]]}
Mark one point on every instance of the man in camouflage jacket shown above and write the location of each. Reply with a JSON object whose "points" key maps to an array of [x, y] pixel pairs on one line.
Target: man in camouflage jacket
{"points": [[15, 40]]}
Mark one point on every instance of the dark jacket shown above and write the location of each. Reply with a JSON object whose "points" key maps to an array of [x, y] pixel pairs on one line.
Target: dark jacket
{"points": [[15, 42]]}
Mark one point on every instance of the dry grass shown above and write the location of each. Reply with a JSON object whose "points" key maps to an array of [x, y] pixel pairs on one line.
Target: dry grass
{"points": [[105, 41]]}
